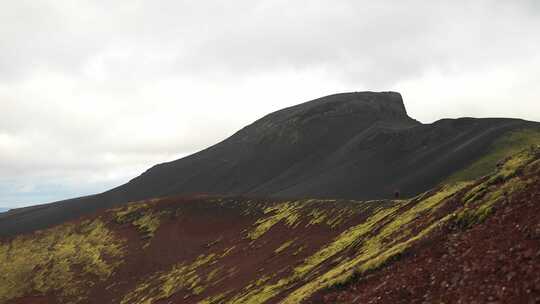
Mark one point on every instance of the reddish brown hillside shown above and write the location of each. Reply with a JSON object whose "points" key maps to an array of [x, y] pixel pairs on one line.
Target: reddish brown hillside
{"points": [[475, 241], [496, 261]]}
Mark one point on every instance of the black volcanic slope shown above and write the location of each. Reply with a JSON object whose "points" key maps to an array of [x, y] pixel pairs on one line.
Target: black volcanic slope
{"points": [[352, 145]]}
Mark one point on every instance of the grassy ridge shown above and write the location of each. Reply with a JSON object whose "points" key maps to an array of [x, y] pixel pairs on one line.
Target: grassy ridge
{"points": [[506, 146]]}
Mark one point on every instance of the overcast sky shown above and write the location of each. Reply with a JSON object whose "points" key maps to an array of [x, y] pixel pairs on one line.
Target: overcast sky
{"points": [[94, 92]]}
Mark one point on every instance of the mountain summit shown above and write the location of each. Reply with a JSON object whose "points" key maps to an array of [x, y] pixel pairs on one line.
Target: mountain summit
{"points": [[367, 105], [360, 145], [330, 118]]}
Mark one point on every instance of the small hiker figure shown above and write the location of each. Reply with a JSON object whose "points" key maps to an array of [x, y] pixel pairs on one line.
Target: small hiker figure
{"points": [[396, 194]]}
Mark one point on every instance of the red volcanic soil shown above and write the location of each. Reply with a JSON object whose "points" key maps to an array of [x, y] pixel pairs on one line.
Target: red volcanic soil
{"points": [[191, 227], [497, 261], [35, 300]]}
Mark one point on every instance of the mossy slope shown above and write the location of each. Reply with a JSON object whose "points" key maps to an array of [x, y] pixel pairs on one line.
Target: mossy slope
{"points": [[507, 145], [67, 260]]}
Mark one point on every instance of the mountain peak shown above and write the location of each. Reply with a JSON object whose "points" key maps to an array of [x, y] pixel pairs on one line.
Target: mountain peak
{"points": [[362, 105], [384, 102], [333, 117]]}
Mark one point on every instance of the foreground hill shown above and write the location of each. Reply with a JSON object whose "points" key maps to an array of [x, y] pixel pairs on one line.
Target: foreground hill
{"points": [[466, 241], [347, 146]]}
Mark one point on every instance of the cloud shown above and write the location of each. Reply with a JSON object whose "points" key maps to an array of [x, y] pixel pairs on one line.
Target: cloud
{"points": [[94, 92]]}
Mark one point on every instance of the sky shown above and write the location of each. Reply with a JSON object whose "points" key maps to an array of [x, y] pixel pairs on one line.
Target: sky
{"points": [[92, 93]]}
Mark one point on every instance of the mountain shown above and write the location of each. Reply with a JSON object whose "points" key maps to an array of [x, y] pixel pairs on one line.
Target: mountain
{"points": [[359, 146], [4, 210], [464, 242]]}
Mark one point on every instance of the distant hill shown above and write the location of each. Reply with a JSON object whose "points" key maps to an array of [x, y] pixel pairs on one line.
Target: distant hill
{"points": [[4, 210], [465, 242], [360, 145]]}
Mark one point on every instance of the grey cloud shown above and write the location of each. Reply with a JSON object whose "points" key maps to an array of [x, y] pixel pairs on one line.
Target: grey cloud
{"points": [[379, 43]]}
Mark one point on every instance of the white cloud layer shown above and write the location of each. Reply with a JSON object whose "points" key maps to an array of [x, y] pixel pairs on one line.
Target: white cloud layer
{"points": [[94, 92]]}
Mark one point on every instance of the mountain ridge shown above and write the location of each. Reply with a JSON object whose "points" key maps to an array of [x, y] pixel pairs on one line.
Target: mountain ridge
{"points": [[360, 145]]}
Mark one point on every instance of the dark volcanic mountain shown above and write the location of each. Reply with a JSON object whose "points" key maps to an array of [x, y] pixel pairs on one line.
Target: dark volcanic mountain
{"points": [[350, 146]]}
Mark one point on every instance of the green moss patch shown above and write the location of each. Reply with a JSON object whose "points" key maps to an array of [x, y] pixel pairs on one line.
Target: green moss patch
{"points": [[185, 277], [499, 187], [283, 247], [142, 216], [303, 213], [66, 260]]}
